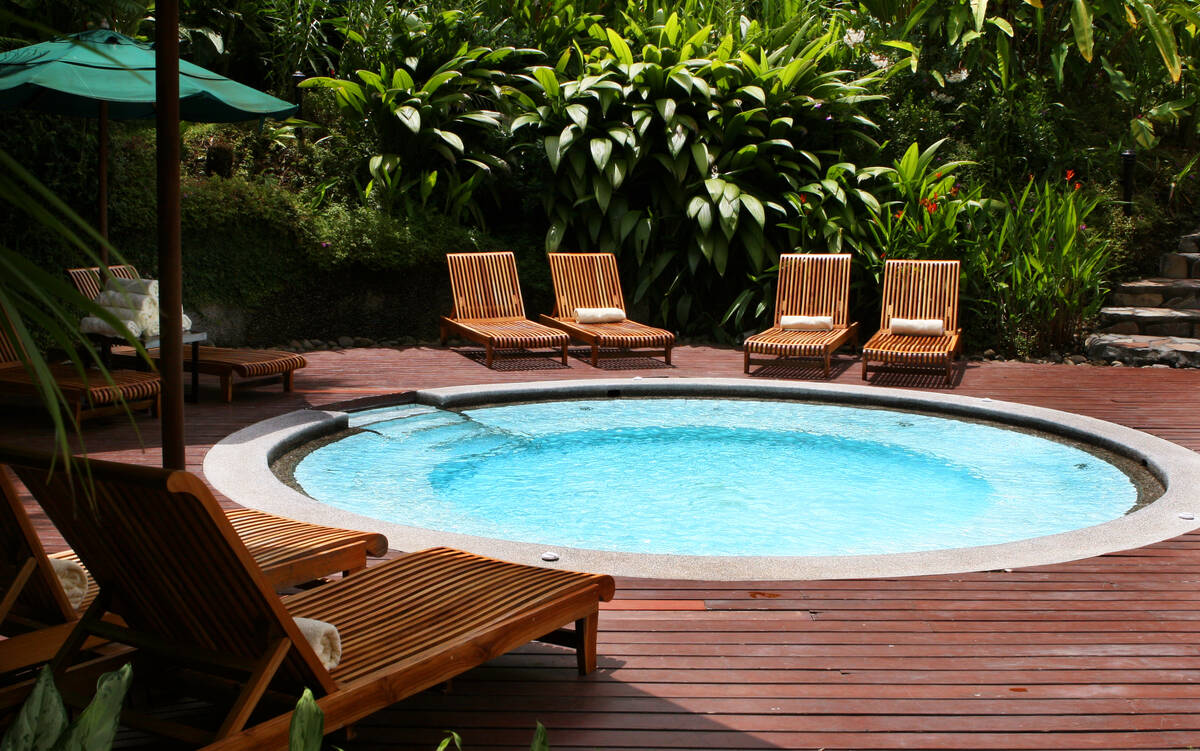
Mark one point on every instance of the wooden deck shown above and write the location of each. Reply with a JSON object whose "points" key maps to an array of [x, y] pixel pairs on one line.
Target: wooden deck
{"points": [[1102, 653]]}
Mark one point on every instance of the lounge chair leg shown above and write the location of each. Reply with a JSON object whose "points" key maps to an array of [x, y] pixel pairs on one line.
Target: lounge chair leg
{"points": [[287, 380], [442, 334], [227, 387], [585, 653], [595, 355], [667, 354], [156, 407], [489, 355], [864, 372], [746, 362], [827, 355], [256, 684], [564, 354]]}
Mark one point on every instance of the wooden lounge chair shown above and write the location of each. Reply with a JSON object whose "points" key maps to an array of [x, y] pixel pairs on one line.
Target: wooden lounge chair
{"points": [[808, 285], [590, 280], [35, 614], [224, 362], [34, 610], [488, 309], [921, 290], [170, 565], [88, 393]]}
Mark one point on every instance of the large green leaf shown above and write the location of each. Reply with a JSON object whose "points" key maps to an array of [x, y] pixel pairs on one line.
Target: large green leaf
{"points": [[1081, 23]]}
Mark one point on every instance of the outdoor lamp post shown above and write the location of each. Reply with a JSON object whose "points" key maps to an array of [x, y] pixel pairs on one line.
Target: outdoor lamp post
{"points": [[1128, 159]]}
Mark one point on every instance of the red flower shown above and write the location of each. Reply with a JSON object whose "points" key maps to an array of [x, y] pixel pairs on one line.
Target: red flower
{"points": [[1078, 186], [1070, 175], [803, 198]]}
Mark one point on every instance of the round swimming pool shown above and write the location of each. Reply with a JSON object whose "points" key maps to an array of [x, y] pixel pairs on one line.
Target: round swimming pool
{"points": [[773, 480], [713, 477]]}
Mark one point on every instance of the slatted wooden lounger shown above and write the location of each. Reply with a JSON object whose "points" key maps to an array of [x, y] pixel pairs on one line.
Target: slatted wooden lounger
{"points": [[590, 280], [34, 610], [917, 290], [808, 285], [223, 362], [88, 393], [488, 309], [170, 565]]}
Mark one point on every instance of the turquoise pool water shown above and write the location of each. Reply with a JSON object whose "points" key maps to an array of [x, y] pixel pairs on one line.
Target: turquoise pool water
{"points": [[713, 477]]}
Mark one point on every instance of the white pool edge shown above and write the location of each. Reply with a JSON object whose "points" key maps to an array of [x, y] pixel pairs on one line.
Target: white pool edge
{"points": [[239, 467]]}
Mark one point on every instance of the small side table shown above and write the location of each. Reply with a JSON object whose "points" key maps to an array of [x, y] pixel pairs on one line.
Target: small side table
{"points": [[193, 338]]}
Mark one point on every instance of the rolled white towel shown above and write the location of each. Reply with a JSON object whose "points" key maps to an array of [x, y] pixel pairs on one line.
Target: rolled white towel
{"points": [[146, 320], [73, 578], [806, 323], [187, 322], [130, 300], [94, 325], [599, 315], [918, 326], [137, 286], [324, 639]]}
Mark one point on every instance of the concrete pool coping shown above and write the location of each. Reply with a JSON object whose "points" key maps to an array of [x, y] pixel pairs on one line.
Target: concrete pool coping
{"points": [[239, 466]]}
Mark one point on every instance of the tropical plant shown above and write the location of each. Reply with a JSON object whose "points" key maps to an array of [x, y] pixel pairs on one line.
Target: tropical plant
{"points": [[698, 159], [42, 723], [435, 119], [1047, 269], [928, 212]]}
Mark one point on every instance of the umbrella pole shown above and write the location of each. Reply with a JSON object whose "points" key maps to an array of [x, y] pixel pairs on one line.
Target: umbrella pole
{"points": [[102, 175], [170, 265]]}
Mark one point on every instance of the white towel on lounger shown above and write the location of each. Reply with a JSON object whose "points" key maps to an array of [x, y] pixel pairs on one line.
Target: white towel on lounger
{"points": [[324, 639], [918, 326], [599, 315], [147, 287], [94, 325], [73, 578], [806, 323]]}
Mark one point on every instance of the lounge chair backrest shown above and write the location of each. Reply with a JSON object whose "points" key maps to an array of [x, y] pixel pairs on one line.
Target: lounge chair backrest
{"points": [[485, 285], [920, 289], [40, 598], [9, 353], [813, 284], [585, 280], [168, 561], [89, 283]]}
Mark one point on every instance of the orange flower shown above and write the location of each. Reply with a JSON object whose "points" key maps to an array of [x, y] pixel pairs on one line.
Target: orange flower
{"points": [[1078, 186], [1070, 175], [803, 198]]}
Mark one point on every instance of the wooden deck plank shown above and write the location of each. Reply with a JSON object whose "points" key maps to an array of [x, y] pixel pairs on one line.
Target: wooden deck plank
{"points": [[1096, 654]]}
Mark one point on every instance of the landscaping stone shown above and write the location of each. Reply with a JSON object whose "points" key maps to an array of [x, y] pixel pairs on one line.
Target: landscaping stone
{"points": [[1077, 359], [1190, 243], [362, 341], [1175, 266], [1140, 349], [345, 341]]}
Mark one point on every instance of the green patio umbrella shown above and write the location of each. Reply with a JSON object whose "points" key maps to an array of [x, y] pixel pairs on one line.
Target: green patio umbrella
{"points": [[103, 74]]}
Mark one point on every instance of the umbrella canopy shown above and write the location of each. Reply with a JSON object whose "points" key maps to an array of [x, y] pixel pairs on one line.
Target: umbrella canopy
{"points": [[72, 75]]}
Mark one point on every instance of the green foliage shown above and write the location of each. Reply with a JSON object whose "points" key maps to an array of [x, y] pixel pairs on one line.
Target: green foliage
{"points": [[1047, 269], [434, 141], [362, 236], [698, 159], [41, 724], [307, 728]]}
